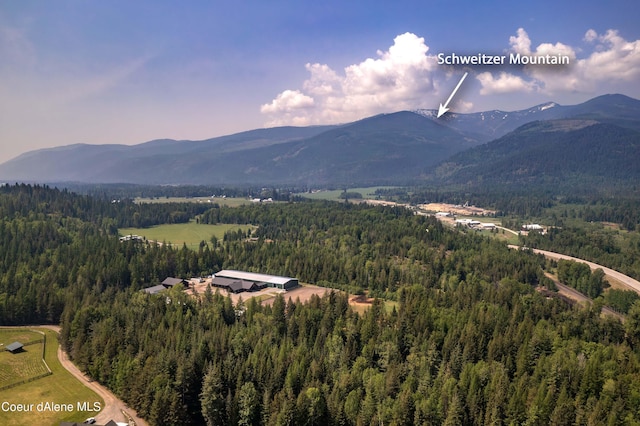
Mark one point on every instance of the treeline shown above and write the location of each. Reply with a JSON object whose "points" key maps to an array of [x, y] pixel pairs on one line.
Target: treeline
{"points": [[625, 212], [458, 352], [590, 244], [119, 191], [535, 203], [579, 276], [142, 215], [468, 340], [356, 247], [620, 300], [35, 201], [49, 265], [59, 249]]}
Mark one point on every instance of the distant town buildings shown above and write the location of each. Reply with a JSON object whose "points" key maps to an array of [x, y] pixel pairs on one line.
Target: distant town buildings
{"points": [[533, 227], [132, 237]]}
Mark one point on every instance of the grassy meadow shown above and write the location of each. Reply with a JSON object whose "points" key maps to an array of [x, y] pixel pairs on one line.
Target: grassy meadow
{"points": [[229, 202], [60, 387], [25, 364], [334, 195], [185, 233]]}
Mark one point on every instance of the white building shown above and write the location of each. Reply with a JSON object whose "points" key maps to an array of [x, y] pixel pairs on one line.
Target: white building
{"points": [[239, 281], [468, 222]]}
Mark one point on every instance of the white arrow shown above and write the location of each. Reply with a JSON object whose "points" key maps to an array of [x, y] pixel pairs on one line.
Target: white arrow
{"points": [[443, 108]]}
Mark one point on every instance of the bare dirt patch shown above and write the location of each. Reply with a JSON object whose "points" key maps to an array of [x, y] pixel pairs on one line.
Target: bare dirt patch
{"points": [[360, 303], [456, 209], [303, 292], [266, 296]]}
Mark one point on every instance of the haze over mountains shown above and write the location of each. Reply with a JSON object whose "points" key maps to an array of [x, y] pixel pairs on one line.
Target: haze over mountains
{"points": [[599, 139]]}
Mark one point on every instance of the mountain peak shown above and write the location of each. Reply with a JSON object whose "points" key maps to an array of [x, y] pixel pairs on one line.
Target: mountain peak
{"points": [[394, 148]]}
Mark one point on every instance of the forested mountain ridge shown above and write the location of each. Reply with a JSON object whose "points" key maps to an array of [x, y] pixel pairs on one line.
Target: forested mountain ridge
{"points": [[381, 149], [569, 153], [397, 148], [469, 340], [488, 125]]}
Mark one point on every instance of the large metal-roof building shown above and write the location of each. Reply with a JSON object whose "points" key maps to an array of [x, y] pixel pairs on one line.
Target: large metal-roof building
{"points": [[239, 281]]}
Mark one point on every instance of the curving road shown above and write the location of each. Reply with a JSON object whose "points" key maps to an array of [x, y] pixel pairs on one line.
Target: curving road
{"points": [[627, 281], [114, 409]]}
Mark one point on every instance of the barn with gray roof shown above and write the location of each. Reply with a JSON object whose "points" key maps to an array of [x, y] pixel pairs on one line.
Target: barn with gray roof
{"points": [[239, 281], [14, 347]]}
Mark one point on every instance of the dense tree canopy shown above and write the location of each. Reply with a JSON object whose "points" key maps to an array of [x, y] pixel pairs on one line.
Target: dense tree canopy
{"points": [[461, 337]]}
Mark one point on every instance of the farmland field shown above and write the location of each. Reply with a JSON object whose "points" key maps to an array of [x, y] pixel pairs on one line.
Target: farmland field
{"points": [[229, 202], [25, 364], [184, 233], [334, 195], [58, 388]]}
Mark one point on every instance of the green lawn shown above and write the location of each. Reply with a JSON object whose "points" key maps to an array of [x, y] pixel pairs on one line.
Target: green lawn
{"points": [[334, 195], [230, 202], [184, 233], [59, 388], [25, 364]]}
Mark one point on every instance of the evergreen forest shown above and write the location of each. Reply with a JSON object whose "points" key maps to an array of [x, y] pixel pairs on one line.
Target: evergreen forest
{"points": [[462, 330]]}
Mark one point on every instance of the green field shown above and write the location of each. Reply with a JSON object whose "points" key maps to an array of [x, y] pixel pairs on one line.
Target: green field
{"points": [[184, 233], [25, 364], [59, 388], [229, 202], [334, 195]]}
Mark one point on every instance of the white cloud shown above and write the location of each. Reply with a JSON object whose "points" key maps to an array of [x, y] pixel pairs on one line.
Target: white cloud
{"points": [[590, 36], [291, 106], [611, 62], [521, 42], [505, 83], [615, 58], [323, 81], [399, 78], [287, 101], [463, 106]]}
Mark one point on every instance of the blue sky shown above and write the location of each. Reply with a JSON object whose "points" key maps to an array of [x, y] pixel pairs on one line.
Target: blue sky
{"points": [[128, 72]]}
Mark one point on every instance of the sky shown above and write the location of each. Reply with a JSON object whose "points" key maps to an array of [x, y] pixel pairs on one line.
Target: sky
{"points": [[126, 72]]}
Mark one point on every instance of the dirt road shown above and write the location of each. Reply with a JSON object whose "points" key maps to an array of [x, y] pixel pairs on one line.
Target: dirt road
{"points": [[114, 409], [575, 295], [624, 279]]}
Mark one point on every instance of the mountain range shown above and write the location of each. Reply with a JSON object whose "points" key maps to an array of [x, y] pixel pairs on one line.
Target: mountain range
{"points": [[599, 139]]}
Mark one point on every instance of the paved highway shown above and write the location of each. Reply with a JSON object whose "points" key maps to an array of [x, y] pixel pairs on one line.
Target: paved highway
{"points": [[627, 281]]}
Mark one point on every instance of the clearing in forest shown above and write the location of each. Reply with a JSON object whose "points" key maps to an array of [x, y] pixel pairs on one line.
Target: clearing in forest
{"points": [[24, 364], [191, 233], [59, 387]]}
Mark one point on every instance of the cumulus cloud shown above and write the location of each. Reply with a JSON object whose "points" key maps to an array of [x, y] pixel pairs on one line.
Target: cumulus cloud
{"points": [[287, 101], [399, 78], [520, 43], [590, 36], [611, 60], [505, 83], [614, 58]]}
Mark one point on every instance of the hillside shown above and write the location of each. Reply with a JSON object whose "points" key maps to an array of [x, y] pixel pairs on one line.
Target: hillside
{"points": [[398, 148], [385, 148], [564, 153], [460, 332]]}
